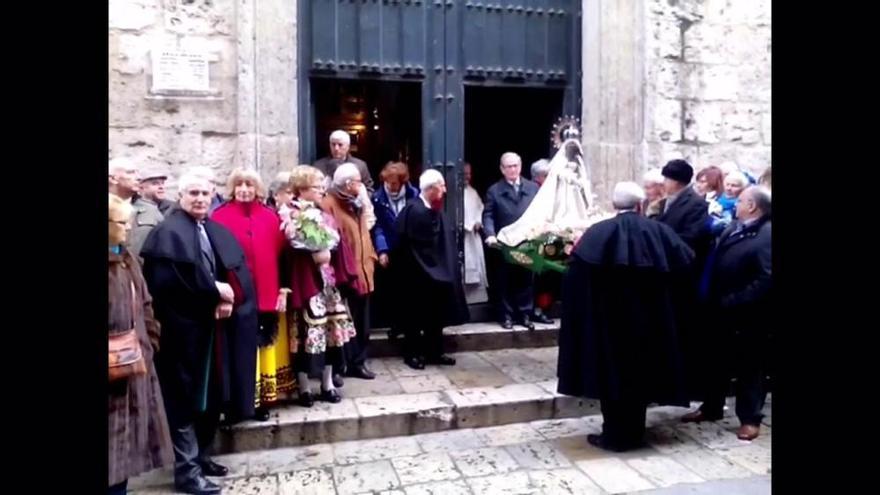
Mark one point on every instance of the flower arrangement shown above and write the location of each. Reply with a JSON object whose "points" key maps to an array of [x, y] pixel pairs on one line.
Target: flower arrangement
{"points": [[308, 228]]}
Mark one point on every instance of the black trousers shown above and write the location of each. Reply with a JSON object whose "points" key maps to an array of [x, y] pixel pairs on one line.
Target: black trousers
{"points": [[426, 342], [623, 423], [356, 350], [516, 292], [743, 358]]}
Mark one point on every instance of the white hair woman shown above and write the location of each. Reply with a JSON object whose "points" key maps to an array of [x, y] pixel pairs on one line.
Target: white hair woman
{"points": [[723, 208], [257, 229]]}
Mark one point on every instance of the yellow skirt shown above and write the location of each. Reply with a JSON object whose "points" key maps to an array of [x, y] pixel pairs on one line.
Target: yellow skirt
{"points": [[275, 379]]}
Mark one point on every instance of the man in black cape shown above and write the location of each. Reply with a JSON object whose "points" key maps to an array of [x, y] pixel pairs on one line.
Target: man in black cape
{"points": [[619, 337], [426, 263], [204, 298]]}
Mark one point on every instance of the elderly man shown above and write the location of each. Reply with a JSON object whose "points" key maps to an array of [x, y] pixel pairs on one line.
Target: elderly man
{"points": [[348, 209], [506, 201], [540, 169], [340, 145], [737, 285], [205, 300], [428, 256], [123, 182], [619, 337], [152, 188]]}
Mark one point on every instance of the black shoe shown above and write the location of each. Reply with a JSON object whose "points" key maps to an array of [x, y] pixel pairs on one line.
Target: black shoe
{"points": [[211, 468], [198, 486], [542, 318], [414, 363], [305, 399], [338, 382], [442, 360], [361, 372], [331, 396], [507, 324], [527, 323], [600, 442], [260, 414]]}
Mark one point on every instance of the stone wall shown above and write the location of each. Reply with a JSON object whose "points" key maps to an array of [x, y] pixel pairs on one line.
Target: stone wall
{"points": [[248, 119], [707, 82]]}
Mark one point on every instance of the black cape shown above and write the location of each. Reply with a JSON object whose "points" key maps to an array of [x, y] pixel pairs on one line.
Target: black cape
{"points": [[619, 338], [425, 262], [184, 298]]}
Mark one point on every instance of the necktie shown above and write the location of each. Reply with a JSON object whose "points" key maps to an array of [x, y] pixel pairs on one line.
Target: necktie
{"points": [[207, 251]]}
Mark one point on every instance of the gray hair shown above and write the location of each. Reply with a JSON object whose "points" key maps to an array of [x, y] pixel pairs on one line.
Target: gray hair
{"points": [[346, 172], [281, 181], [119, 163], [510, 154], [762, 197], [195, 176], [653, 176], [627, 195], [340, 135], [430, 178], [540, 167], [738, 177]]}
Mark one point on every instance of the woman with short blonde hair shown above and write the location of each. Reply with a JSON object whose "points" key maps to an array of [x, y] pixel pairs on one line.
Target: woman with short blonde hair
{"points": [[248, 176]]}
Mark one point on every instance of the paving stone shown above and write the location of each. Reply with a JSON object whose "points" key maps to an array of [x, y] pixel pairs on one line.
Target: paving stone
{"points": [[259, 485], [424, 468], [484, 461], [578, 449], [516, 483], [530, 373], [507, 358], [458, 487], [452, 440], [400, 404], [306, 482], [508, 434], [569, 427], [537, 455], [614, 475], [488, 377], [710, 435], [289, 459], [569, 481], [382, 385], [753, 457], [373, 450], [709, 465], [397, 368], [663, 471], [667, 439], [547, 355], [425, 383], [366, 477]]}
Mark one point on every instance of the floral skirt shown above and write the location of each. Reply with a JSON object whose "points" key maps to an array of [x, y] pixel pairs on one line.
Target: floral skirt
{"points": [[275, 379], [322, 329]]}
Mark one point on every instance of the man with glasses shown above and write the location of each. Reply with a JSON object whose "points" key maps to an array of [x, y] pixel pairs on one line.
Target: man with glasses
{"points": [[123, 182]]}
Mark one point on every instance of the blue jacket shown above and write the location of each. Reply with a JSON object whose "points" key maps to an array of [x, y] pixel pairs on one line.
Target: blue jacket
{"points": [[384, 235], [504, 206]]}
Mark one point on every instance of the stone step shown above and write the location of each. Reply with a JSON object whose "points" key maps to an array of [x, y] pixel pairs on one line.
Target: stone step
{"points": [[484, 336], [484, 388]]}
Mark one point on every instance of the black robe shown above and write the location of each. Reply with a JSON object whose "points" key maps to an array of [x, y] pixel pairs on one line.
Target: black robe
{"points": [[425, 262], [619, 334], [184, 298]]}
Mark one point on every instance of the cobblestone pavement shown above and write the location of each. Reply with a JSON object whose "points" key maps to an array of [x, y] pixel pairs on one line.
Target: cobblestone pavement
{"points": [[539, 457]]}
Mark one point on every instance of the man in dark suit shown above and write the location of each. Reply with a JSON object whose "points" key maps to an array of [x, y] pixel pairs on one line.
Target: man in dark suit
{"points": [[506, 201], [683, 209], [340, 145], [737, 284]]}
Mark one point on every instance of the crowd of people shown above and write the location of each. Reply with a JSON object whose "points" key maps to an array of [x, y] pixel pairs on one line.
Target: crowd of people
{"points": [[221, 309]]}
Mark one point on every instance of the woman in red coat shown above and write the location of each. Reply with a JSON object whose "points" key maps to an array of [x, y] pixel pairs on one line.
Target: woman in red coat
{"points": [[258, 229]]}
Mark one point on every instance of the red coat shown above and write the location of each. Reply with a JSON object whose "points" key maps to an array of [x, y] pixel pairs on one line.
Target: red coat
{"points": [[257, 229]]}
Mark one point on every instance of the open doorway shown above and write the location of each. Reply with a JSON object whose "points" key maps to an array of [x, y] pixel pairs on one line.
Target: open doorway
{"points": [[384, 120], [498, 120]]}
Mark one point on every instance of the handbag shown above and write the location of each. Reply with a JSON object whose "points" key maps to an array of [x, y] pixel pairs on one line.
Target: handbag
{"points": [[126, 357]]}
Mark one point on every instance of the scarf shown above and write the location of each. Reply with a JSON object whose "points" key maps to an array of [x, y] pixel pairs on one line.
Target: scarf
{"points": [[398, 201], [353, 201]]}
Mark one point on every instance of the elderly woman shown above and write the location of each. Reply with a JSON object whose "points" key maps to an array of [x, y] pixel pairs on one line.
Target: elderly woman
{"points": [[316, 264], [282, 193], [393, 194], [540, 169], [257, 229], [138, 434], [709, 183], [652, 182], [346, 206], [723, 209]]}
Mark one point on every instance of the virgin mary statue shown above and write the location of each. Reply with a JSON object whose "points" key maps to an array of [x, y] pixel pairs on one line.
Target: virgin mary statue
{"points": [[564, 206]]}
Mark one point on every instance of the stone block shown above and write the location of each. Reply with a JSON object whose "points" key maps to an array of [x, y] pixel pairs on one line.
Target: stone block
{"points": [[537, 455], [484, 461], [614, 475], [133, 14], [517, 483], [306, 482], [360, 451], [663, 471], [704, 122], [563, 481], [457, 487], [709, 465], [425, 468], [367, 477]]}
